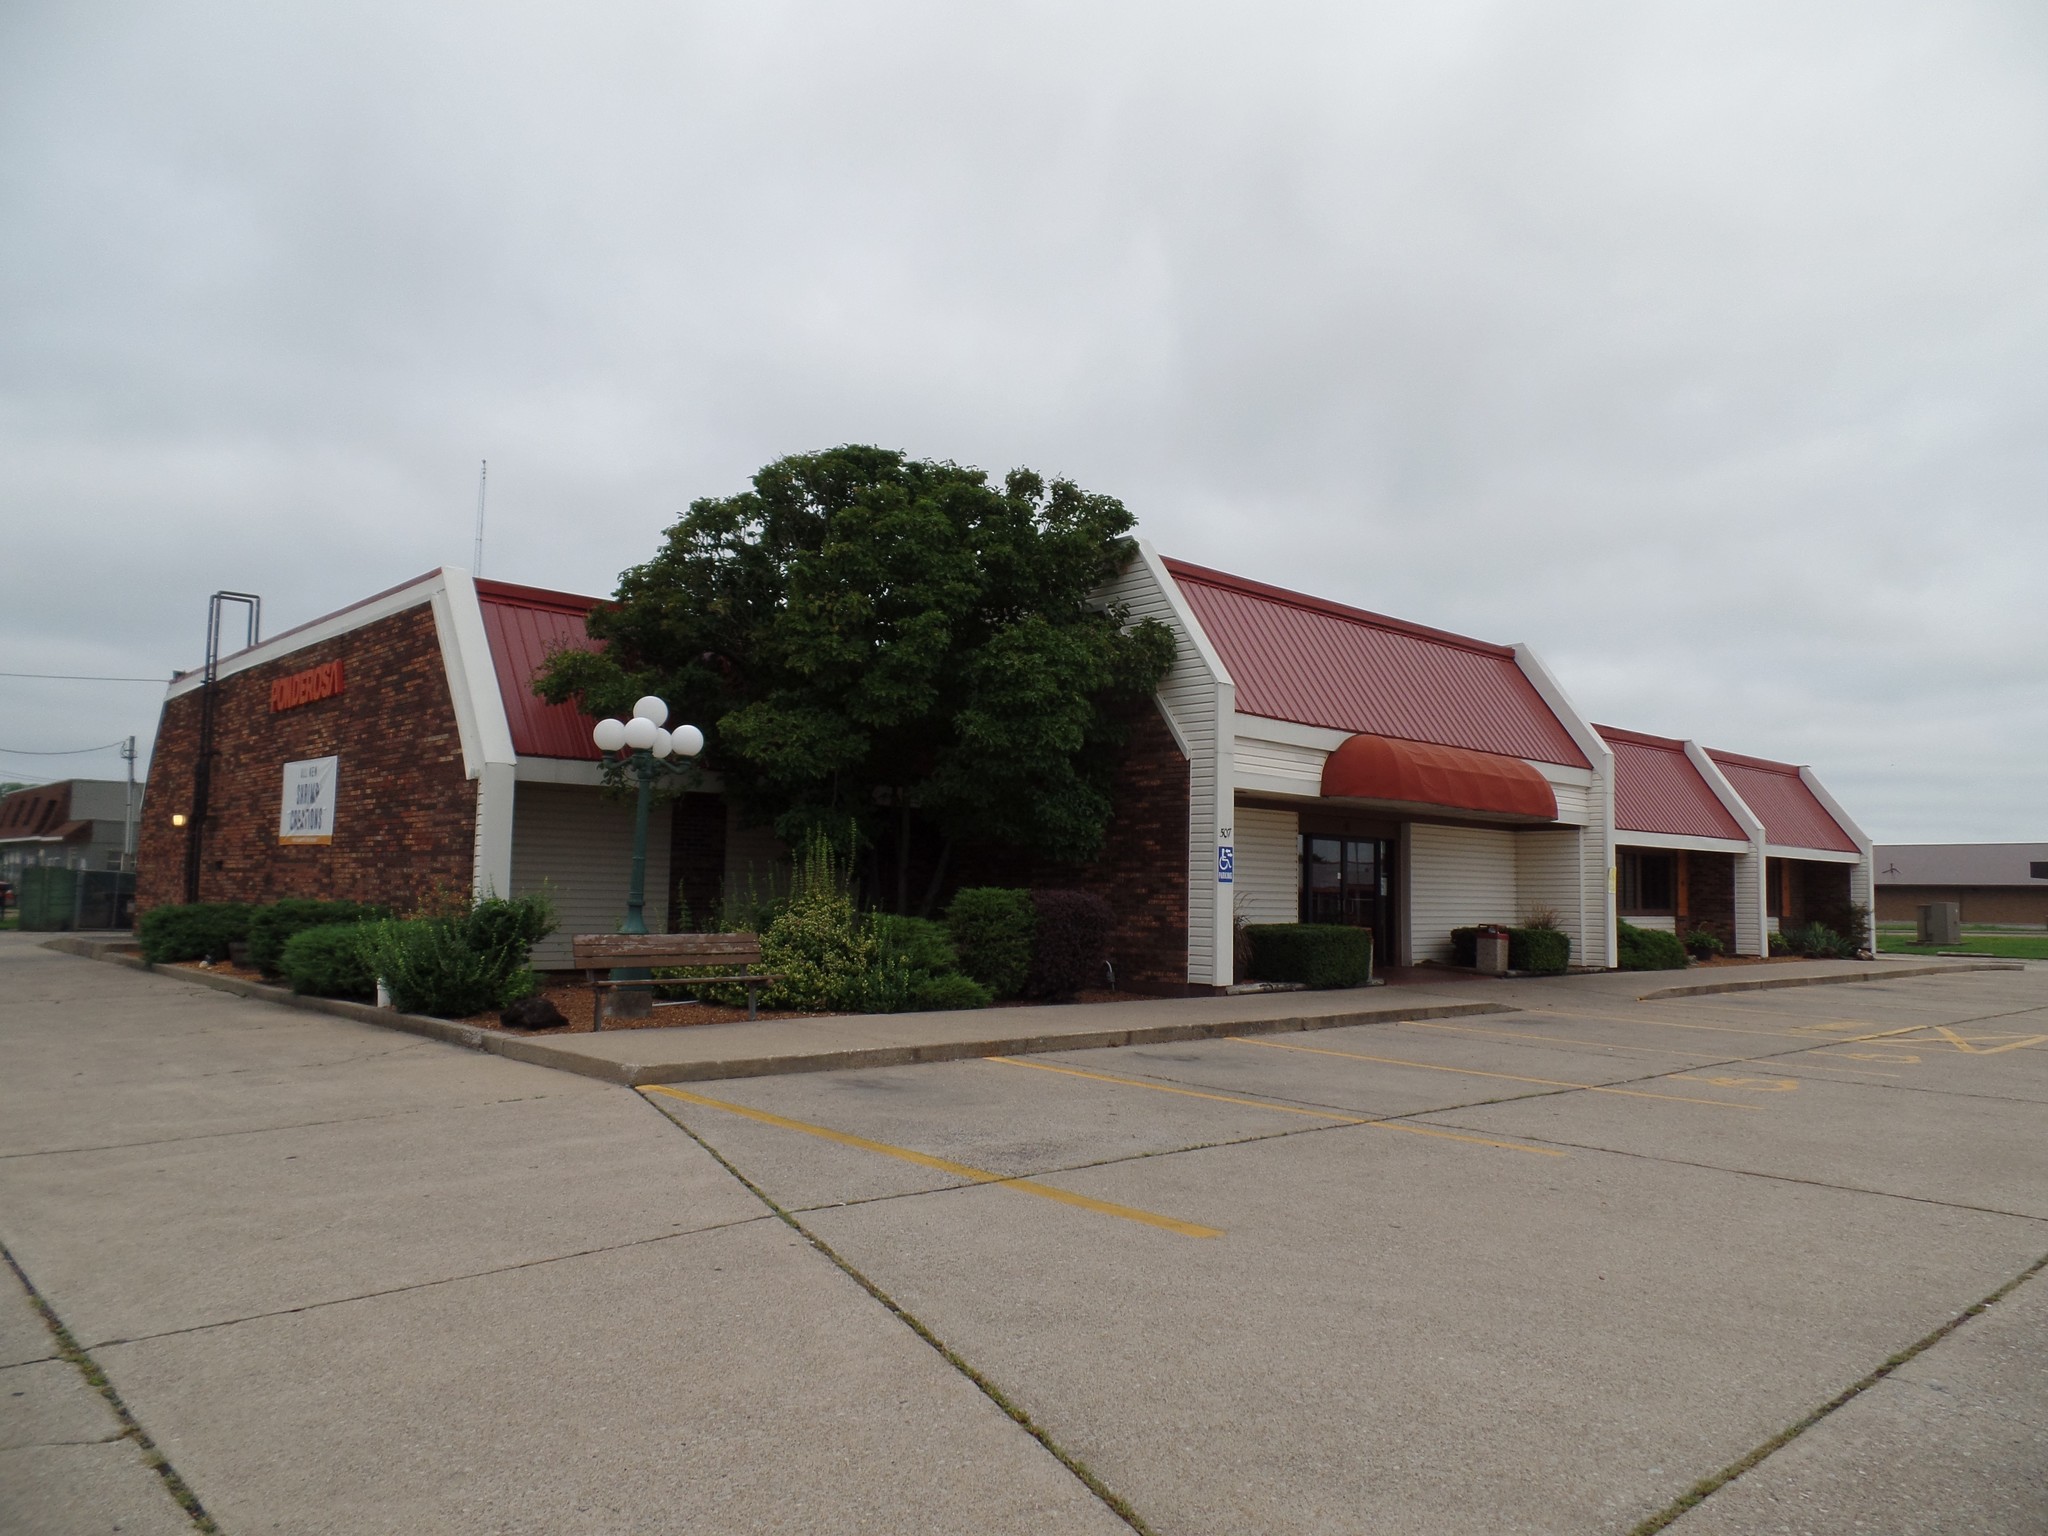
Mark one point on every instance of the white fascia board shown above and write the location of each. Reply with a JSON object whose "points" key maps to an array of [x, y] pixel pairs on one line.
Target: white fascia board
{"points": [[1724, 792], [1177, 601], [1288, 733], [1288, 789], [1560, 703], [1624, 838], [1813, 855], [584, 771], [397, 600], [1834, 808], [472, 677], [1564, 773]]}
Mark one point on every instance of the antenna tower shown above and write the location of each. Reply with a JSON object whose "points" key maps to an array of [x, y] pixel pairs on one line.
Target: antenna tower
{"points": [[476, 564]]}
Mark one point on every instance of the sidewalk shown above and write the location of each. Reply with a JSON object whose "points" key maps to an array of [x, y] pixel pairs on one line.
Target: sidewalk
{"points": [[773, 1047]]}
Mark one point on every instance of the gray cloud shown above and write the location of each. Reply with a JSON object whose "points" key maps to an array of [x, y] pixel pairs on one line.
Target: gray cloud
{"points": [[1700, 346]]}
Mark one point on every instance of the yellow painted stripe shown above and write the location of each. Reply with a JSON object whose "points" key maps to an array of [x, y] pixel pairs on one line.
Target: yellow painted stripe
{"points": [[1506, 1077], [945, 1165], [1291, 1109]]}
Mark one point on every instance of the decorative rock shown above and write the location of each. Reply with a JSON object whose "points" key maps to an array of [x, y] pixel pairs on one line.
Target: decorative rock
{"points": [[532, 1013]]}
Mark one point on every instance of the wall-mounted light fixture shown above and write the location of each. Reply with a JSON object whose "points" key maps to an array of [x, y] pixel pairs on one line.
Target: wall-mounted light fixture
{"points": [[177, 818]]}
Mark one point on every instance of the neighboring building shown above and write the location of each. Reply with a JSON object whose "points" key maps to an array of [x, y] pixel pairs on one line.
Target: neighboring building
{"points": [[1991, 882], [1304, 761], [76, 824]]}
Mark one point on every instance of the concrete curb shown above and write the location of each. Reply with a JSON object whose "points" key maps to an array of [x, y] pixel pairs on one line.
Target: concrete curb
{"points": [[1772, 983], [542, 1052], [638, 1076]]}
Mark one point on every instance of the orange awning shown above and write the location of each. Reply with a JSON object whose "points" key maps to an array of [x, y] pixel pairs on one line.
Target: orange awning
{"points": [[1418, 773]]}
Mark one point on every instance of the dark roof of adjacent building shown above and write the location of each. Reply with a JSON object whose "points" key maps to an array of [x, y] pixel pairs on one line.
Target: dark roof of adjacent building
{"points": [[525, 626], [1314, 662], [1792, 814], [1657, 788], [2015, 864]]}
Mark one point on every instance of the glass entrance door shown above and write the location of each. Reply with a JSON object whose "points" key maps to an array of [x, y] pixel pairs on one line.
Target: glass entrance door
{"points": [[1350, 880]]}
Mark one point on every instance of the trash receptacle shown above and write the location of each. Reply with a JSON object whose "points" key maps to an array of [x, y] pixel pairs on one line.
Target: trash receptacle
{"points": [[1492, 951]]}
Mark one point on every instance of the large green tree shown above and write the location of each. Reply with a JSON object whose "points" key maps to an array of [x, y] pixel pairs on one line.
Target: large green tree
{"points": [[891, 649]]}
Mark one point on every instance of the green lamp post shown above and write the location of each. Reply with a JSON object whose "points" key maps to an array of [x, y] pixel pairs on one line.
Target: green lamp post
{"points": [[644, 737]]}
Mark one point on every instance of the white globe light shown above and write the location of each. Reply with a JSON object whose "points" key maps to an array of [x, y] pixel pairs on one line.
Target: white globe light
{"points": [[661, 744], [651, 708], [640, 733], [610, 735], [686, 741]]}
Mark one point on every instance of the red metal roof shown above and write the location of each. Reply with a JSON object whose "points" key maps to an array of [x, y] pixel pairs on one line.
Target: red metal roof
{"points": [[1657, 789], [525, 625], [1368, 767], [1792, 816], [1315, 662]]}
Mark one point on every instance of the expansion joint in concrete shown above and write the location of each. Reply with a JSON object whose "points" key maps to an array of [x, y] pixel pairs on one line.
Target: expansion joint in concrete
{"points": [[1707, 1487], [1112, 1500], [70, 1351], [428, 1285]]}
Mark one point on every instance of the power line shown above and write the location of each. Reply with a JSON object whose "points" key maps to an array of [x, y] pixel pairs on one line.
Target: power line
{"points": [[69, 752], [83, 677]]}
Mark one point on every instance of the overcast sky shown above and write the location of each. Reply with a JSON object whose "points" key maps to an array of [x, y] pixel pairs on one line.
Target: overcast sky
{"points": [[1704, 347]]}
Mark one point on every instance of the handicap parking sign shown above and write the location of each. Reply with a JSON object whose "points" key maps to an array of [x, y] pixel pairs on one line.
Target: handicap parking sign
{"points": [[1225, 864]]}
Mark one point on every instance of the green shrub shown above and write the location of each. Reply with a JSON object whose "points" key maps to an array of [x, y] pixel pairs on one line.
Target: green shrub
{"points": [[1703, 944], [198, 931], [824, 955], [1649, 949], [919, 942], [1817, 941], [1778, 946], [271, 926], [933, 993], [1314, 954], [467, 963], [1540, 951], [993, 927], [330, 961], [1069, 943]]}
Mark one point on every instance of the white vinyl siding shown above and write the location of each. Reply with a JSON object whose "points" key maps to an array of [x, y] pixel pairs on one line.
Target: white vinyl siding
{"points": [[1268, 866], [577, 845], [1457, 876], [1749, 904], [1665, 924], [1279, 767], [1548, 871], [1196, 701]]}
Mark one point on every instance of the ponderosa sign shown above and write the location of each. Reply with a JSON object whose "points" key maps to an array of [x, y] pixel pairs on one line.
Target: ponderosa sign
{"points": [[307, 687]]}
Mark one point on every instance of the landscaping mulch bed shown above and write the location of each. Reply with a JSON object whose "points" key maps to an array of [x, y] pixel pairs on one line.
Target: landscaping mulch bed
{"points": [[574, 1003]]}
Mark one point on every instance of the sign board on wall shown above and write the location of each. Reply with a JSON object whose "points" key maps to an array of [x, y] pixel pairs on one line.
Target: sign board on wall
{"points": [[308, 687], [307, 814]]}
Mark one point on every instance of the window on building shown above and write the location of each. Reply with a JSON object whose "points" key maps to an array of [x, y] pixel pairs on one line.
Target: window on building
{"points": [[1649, 884], [2038, 870]]}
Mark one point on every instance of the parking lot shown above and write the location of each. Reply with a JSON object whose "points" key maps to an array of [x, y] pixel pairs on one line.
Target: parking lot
{"points": [[1541, 1271]]}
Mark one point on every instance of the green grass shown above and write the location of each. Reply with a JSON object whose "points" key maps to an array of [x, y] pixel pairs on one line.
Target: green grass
{"points": [[2007, 946]]}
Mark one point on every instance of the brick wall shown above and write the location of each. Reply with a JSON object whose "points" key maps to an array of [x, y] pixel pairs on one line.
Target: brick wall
{"points": [[1142, 871], [1709, 895], [405, 815]]}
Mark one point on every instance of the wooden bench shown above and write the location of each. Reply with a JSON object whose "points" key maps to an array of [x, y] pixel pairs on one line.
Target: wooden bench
{"points": [[739, 953]]}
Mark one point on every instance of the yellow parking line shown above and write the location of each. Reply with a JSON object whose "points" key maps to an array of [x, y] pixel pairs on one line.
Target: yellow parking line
{"points": [[946, 1165], [1507, 1077], [1291, 1109]]}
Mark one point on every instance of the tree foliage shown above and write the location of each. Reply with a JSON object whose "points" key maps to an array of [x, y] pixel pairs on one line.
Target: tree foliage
{"points": [[871, 641]]}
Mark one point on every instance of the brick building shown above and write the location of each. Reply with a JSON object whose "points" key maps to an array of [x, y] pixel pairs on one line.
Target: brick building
{"points": [[1302, 760], [1995, 883]]}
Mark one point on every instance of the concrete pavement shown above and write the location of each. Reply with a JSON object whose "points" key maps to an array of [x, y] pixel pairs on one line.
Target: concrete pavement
{"points": [[1541, 1270]]}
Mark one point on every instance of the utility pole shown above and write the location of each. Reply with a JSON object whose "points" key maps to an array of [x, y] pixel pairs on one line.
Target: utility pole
{"points": [[476, 564], [128, 816]]}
